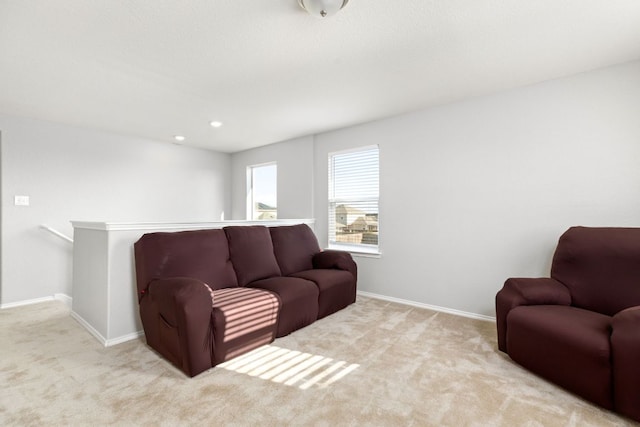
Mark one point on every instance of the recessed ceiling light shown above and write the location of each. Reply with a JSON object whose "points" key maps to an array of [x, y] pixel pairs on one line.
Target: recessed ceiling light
{"points": [[179, 138], [215, 124]]}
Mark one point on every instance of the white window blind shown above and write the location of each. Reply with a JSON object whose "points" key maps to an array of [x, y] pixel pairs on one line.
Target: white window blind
{"points": [[353, 199]]}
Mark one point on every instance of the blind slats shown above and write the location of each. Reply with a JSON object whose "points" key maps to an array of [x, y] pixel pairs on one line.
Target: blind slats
{"points": [[353, 197]]}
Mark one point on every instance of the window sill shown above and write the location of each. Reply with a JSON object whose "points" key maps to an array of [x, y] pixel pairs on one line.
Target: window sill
{"points": [[357, 251], [366, 254]]}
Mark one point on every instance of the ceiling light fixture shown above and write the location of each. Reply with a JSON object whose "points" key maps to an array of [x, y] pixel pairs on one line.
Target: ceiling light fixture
{"points": [[179, 138], [322, 8], [215, 124]]}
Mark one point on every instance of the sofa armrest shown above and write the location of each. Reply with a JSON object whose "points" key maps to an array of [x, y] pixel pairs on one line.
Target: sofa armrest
{"points": [[185, 305], [625, 349], [339, 260], [526, 291]]}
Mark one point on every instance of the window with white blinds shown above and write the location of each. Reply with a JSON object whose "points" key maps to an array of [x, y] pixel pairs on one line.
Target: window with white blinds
{"points": [[353, 199]]}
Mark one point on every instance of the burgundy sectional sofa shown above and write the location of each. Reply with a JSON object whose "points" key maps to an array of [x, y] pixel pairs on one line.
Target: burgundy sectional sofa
{"points": [[580, 328], [206, 296]]}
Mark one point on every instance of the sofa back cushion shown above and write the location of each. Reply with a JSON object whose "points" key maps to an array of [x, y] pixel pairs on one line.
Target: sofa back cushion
{"points": [[251, 252], [201, 254], [294, 247], [600, 266]]}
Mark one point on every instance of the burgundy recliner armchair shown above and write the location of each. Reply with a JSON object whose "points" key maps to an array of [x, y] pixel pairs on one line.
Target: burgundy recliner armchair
{"points": [[580, 328]]}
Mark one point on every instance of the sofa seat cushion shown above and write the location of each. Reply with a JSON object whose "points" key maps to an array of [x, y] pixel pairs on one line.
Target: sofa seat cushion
{"points": [[242, 319], [299, 299], [294, 247], [251, 253], [337, 289], [566, 345]]}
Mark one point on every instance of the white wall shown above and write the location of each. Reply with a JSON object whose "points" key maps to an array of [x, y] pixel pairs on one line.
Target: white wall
{"points": [[295, 177], [478, 191], [78, 174], [471, 193]]}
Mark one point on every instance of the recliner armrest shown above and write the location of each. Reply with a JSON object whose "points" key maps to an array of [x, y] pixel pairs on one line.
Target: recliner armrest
{"points": [[536, 291], [333, 259], [625, 349], [185, 304], [526, 291]]}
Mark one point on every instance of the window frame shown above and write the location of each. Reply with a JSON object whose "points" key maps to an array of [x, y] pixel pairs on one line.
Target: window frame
{"points": [[359, 249], [250, 193]]}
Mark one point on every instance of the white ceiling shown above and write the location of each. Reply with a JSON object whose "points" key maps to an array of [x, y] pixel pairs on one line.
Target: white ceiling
{"points": [[271, 72]]}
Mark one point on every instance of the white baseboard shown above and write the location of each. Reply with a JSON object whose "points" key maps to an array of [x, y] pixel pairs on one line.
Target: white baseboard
{"points": [[97, 335], [66, 299], [26, 302], [57, 297], [124, 338], [89, 328], [429, 306]]}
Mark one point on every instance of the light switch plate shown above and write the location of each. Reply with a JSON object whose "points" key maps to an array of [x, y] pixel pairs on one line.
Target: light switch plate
{"points": [[21, 200]]}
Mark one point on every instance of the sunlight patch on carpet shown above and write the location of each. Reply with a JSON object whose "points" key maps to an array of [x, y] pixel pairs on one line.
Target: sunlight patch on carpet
{"points": [[290, 367]]}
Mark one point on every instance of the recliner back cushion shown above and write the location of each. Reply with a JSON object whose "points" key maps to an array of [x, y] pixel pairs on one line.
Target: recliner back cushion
{"points": [[251, 252], [201, 254], [294, 247], [600, 266]]}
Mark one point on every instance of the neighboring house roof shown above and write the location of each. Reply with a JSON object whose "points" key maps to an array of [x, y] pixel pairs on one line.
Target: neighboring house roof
{"points": [[349, 210], [265, 207], [365, 221]]}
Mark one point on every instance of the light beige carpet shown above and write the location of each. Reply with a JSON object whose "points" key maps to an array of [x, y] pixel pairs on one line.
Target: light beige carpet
{"points": [[373, 364]]}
